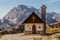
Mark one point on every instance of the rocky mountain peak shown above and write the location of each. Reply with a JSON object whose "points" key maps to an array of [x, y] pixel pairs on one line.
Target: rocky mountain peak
{"points": [[18, 14]]}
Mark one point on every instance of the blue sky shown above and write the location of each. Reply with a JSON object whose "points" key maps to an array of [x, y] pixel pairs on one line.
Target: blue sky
{"points": [[7, 5]]}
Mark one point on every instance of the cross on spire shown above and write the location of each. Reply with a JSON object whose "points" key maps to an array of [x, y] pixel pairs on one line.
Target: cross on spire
{"points": [[33, 17]]}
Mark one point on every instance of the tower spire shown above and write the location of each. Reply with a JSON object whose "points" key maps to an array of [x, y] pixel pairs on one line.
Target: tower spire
{"points": [[43, 11]]}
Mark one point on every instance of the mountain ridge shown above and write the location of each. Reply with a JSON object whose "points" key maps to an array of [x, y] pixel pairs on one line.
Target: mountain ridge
{"points": [[17, 15]]}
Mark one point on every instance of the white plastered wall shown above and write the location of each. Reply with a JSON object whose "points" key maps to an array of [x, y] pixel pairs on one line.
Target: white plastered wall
{"points": [[28, 26]]}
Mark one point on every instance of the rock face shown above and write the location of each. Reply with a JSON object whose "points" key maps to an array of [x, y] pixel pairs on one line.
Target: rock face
{"points": [[21, 12], [56, 17], [17, 14]]}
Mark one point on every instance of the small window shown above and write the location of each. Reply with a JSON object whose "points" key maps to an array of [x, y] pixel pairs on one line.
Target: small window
{"points": [[59, 25], [29, 28], [56, 26], [39, 26]]}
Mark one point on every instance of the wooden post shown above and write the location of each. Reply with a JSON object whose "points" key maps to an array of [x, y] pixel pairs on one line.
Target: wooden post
{"points": [[43, 11]]}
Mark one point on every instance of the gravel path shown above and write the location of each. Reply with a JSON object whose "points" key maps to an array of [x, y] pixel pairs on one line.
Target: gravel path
{"points": [[24, 37]]}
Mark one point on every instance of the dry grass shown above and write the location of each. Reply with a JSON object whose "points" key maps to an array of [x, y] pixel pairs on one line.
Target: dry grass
{"points": [[52, 30], [29, 37]]}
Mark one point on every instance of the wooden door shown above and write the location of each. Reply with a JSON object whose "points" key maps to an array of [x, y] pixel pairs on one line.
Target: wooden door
{"points": [[34, 29]]}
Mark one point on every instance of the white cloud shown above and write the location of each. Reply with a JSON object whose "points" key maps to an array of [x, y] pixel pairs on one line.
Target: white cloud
{"points": [[52, 1]]}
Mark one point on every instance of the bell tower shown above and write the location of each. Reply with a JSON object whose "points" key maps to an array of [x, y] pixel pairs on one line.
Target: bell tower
{"points": [[43, 11]]}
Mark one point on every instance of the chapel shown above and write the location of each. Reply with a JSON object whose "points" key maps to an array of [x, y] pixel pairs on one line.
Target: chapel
{"points": [[33, 24]]}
